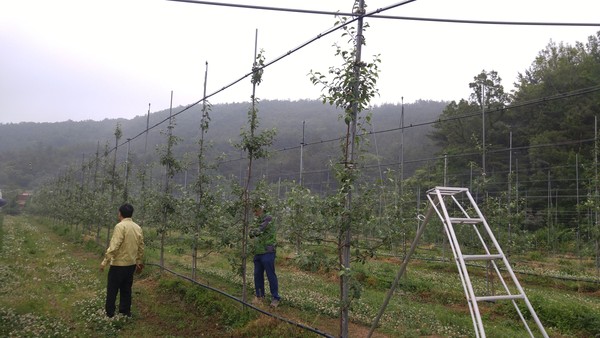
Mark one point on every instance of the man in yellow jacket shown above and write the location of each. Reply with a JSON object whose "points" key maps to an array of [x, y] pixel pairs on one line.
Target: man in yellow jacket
{"points": [[124, 255]]}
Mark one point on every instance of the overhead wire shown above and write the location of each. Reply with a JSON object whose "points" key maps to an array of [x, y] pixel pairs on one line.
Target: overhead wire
{"points": [[327, 32], [372, 14], [462, 21], [267, 64], [558, 96]]}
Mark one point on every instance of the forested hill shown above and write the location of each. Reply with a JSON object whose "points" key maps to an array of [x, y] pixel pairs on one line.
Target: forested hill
{"points": [[33, 152]]}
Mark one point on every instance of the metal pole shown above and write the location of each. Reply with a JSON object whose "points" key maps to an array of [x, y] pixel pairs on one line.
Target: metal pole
{"points": [[483, 127], [509, 190], [596, 191], [302, 152], [578, 215], [549, 206], [96, 164], [471, 178], [167, 187], [82, 173], [554, 240], [347, 235], [402, 145], [517, 183], [402, 172], [445, 170], [246, 192], [147, 127], [377, 155], [203, 127], [126, 192]]}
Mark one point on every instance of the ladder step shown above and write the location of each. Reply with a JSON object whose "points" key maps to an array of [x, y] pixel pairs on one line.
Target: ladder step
{"points": [[447, 190], [457, 220], [482, 257], [500, 297]]}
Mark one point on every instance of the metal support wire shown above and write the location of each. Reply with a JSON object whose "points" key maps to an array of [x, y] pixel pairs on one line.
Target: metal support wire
{"points": [[302, 326], [462, 21]]}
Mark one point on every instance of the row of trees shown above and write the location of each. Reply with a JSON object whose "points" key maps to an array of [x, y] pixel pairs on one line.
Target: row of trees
{"points": [[550, 115], [536, 146]]}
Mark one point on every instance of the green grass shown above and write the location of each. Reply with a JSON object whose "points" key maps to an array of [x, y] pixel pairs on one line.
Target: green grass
{"points": [[41, 280], [49, 281]]}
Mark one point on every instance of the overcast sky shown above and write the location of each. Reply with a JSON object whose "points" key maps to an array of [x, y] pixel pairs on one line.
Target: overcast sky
{"points": [[97, 59]]}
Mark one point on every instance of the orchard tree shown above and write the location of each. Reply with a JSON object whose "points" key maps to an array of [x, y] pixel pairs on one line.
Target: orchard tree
{"points": [[203, 197], [255, 144], [300, 221], [351, 88], [168, 204]]}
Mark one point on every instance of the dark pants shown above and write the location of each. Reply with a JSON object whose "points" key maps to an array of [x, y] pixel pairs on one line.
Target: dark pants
{"points": [[265, 263], [120, 280]]}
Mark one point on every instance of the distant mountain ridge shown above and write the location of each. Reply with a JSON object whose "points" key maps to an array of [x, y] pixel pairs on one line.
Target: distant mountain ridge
{"points": [[31, 152]]}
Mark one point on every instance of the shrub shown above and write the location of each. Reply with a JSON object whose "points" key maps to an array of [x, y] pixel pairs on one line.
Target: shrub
{"points": [[208, 303], [566, 315], [314, 261]]}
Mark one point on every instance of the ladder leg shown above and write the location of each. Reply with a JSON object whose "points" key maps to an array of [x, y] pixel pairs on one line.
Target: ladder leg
{"points": [[460, 263], [510, 271], [413, 248]]}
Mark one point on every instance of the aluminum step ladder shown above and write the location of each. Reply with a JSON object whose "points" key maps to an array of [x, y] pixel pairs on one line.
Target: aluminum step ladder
{"points": [[457, 209]]}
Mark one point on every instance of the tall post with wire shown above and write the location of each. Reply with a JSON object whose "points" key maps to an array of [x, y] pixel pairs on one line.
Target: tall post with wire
{"points": [[125, 188], [483, 129], [401, 190], [510, 178], [200, 179], [302, 153], [596, 193], [349, 164]]}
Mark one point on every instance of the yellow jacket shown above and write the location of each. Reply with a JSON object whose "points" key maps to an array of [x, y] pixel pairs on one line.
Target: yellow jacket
{"points": [[126, 245]]}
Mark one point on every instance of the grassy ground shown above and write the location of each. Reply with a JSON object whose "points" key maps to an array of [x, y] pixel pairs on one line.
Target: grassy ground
{"points": [[50, 286]]}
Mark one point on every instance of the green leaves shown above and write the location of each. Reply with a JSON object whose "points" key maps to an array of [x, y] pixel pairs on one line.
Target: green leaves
{"points": [[352, 85], [257, 68], [255, 145], [118, 132]]}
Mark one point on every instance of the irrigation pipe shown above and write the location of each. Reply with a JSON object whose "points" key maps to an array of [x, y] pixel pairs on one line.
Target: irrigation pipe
{"points": [[302, 326]]}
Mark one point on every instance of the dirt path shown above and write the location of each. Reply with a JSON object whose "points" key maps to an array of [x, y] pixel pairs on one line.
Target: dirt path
{"points": [[186, 321]]}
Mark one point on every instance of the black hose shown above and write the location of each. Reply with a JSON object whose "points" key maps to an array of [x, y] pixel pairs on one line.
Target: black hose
{"points": [[302, 326]]}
